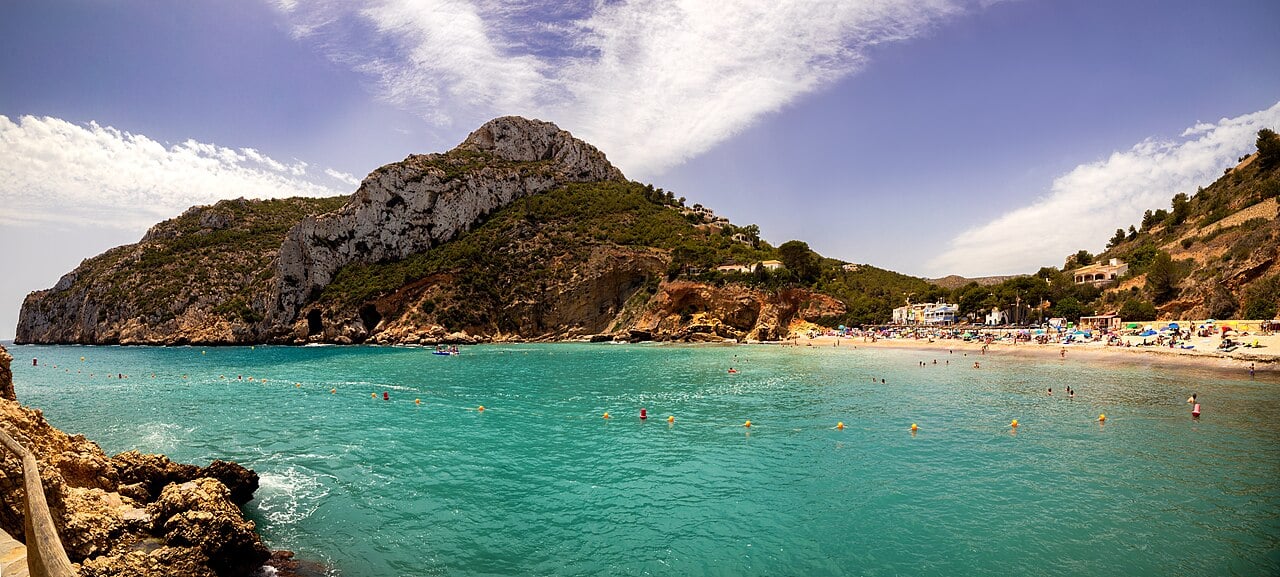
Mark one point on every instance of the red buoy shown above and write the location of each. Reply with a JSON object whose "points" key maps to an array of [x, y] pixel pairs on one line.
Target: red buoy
{"points": [[1195, 411], [643, 414], [385, 396]]}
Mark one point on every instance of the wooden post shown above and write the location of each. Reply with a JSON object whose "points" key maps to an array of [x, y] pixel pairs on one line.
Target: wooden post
{"points": [[45, 555]]}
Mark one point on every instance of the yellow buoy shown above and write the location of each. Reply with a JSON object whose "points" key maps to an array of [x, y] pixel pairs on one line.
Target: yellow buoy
{"points": [[373, 395], [747, 424], [671, 419], [82, 359], [1102, 418], [914, 427], [1014, 424], [417, 401], [480, 408], [298, 385], [840, 425], [605, 415]]}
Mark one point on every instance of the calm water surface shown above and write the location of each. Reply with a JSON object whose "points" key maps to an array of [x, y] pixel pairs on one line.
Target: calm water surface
{"points": [[540, 484]]}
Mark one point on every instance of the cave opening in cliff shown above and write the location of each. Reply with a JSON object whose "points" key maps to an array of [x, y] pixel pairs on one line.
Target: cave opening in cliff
{"points": [[315, 325], [370, 317]]}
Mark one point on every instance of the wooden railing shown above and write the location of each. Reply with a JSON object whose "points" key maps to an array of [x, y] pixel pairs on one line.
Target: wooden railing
{"points": [[45, 555]]}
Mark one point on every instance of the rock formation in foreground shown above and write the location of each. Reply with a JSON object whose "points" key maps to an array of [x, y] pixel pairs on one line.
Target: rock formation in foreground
{"points": [[131, 514]]}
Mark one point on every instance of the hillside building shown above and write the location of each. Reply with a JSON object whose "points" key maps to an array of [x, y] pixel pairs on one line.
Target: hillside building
{"points": [[926, 314], [1101, 273]]}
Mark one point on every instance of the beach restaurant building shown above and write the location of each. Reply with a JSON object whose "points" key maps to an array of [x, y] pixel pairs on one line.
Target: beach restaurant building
{"points": [[1101, 323], [926, 314]]}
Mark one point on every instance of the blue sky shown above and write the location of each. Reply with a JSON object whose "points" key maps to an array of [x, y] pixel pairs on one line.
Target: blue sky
{"points": [[930, 137]]}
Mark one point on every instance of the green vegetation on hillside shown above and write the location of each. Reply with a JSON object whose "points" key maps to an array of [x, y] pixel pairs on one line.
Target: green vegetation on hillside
{"points": [[1190, 259], [528, 245], [223, 250]]}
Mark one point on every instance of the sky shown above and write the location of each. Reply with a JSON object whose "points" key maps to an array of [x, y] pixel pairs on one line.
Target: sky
{"points": [[930, 137]]}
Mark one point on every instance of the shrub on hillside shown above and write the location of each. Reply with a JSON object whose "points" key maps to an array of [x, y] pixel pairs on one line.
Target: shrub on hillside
{"points": [[1138, 310]]}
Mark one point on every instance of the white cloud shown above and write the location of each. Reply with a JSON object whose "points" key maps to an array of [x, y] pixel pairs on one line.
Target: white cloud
{"points": [[54, 171], [343, 177], [1085, 206], [652, 82]]}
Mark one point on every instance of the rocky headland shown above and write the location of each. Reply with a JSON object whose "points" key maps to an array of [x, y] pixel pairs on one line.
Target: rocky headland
{"points": [[133, 513], [521, 232]]}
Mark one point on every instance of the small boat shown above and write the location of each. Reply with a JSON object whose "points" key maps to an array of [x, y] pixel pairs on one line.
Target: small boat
{"points": [[446, 351]]}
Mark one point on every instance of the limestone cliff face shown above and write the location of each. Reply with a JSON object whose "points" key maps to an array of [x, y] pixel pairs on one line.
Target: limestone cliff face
{"points": [[132, 514], [414, 205], [197, 278]]}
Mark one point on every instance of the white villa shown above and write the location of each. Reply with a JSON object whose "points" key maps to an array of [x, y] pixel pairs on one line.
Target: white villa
{"points": [[1097, 274]]}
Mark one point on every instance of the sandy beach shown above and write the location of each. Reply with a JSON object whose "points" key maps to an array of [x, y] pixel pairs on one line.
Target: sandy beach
{"points": [[1205, 354]]}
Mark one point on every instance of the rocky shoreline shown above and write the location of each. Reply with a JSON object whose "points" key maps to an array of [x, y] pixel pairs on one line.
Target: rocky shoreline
{"points": [[132, 513]]}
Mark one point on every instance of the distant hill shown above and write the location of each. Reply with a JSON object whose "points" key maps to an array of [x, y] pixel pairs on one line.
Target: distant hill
{"points": [[956, 281]]}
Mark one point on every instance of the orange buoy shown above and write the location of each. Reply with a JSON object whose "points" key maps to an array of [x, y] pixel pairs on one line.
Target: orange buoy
{"points": [[1102, 418], [605, 415], [914, 427], [671, 419], [417, 401], [747, 424], [840, 426], [480, 408], [333, 391], [1014, 424]]}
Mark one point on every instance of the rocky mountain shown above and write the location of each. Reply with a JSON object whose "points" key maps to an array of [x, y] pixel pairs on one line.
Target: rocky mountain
{"points": [[522, 232]]}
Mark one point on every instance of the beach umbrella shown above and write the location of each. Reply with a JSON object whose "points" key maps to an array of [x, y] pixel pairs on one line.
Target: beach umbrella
{"points": [[1174, 326], [1146, 333]]}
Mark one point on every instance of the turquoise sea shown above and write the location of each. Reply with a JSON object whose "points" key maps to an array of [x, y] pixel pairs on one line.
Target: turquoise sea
{"points": [[540, 484]]}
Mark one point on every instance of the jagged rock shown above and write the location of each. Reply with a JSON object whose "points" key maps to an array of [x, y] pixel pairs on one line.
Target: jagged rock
{"points": [[6, 376], [150, 471], [602, 338], [241, 482], [200, 514], [150, 559]]}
